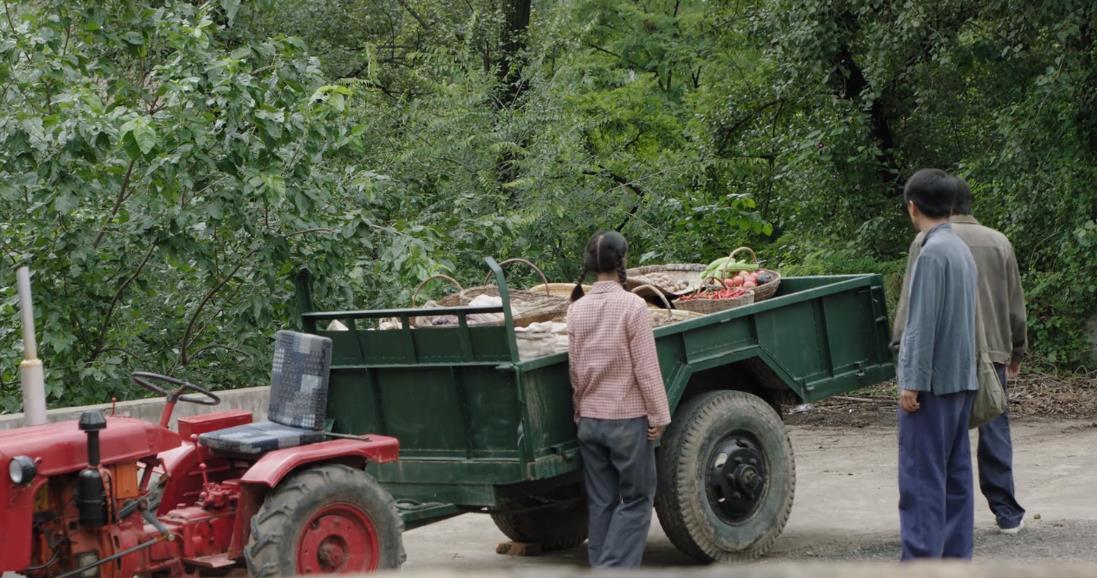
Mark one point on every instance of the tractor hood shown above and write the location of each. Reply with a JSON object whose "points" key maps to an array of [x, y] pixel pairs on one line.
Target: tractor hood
{"points": [[61, 447]]}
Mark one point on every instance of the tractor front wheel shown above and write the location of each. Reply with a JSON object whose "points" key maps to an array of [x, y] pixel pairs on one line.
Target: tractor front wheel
{"points": [[330, 519]]}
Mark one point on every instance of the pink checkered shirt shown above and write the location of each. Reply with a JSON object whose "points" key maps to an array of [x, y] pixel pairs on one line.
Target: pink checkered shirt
{"points": [[611, 353]]}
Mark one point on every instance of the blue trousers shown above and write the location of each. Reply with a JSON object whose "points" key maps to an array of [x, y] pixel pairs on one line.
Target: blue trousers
{"points": [[619, 471], [936, 494], [996, 466]]}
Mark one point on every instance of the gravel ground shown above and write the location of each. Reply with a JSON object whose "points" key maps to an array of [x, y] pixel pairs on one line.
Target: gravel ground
{"points": [[846, 501]]}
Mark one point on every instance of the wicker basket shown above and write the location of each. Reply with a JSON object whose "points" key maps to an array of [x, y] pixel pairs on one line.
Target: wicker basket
{"points": [[658, 275], [558, 289], [665, 316], [706, 306], [447, 278], [526, 306], [766, 290]]}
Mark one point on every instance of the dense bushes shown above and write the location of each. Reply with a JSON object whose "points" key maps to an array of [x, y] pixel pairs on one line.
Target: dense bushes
{"points": [[165, 166], [160, 182]]}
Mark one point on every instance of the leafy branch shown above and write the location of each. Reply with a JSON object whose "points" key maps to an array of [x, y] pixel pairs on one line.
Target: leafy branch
{"points": [[183, 357], [119, 199], [105, 325]]}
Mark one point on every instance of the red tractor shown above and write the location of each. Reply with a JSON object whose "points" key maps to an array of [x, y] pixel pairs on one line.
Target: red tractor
{"points": [[116, 497]]}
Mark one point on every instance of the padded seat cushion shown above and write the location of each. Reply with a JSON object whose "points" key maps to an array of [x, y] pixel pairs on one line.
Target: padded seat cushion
{"points": [[299, 380], [254, 439]]}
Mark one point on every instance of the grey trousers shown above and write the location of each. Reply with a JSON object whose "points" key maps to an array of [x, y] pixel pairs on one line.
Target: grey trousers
{"points": [[619, 470]]}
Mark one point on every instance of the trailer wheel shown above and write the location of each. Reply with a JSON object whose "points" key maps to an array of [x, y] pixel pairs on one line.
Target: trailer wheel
{"points": [[726, 477], [556, 528], [330, 519]]}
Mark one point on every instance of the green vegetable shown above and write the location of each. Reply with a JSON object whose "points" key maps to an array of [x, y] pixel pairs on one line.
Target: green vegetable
{"points": [[720, 268]]}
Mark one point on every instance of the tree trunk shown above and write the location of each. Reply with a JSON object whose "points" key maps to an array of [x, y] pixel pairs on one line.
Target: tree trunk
{"points": [[850, 88], [514, 41]]}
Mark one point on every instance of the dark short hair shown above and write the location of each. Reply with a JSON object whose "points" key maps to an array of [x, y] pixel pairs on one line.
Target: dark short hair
{"points": [[963, 196], [931, 191], [605, 252]]}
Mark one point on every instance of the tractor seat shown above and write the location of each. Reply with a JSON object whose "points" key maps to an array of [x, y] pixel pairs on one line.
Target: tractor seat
{"points": [[298, 401], [255, 439]]}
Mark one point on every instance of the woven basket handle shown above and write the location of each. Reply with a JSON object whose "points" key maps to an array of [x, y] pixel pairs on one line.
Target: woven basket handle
{"points": [[714, 283], [753, 256], [531, 265], [670, 314], [432, 278], [753, 259]]}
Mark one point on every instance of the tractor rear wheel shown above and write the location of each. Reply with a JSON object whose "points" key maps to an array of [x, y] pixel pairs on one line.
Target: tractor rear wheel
{"points": [[330, 519], [554, 528], [726, 477]]}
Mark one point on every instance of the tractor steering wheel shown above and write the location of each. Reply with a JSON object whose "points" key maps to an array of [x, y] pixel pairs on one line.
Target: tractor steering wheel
{"points": [[146, 379]]}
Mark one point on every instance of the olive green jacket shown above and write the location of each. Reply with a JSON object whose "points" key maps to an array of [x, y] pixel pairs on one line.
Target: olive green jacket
{"points": [[1001, 300]]}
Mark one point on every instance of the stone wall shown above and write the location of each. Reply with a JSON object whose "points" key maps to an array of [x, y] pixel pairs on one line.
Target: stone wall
{"points": [[253, 399]]}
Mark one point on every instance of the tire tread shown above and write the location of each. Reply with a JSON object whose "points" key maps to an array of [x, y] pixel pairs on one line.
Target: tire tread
{"points": [[682, 517], [552, 528], [265, 549]]}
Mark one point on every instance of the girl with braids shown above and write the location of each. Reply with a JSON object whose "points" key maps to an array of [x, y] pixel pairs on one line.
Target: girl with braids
{"points": [[620, 404]]}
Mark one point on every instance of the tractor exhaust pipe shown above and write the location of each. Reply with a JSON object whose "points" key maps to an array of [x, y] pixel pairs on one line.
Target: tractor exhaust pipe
{"points": [[30, 369]]}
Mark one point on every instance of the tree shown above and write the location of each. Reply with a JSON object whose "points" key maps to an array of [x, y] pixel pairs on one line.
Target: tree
{"points": [[161, 185]]}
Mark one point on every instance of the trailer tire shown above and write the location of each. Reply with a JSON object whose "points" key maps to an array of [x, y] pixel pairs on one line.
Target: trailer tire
{"points": [[726, 477], [555, 528], [329, 519]]}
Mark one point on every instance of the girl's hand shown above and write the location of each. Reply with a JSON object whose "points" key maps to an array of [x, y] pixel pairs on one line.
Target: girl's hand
{"points": [[656, 432]]}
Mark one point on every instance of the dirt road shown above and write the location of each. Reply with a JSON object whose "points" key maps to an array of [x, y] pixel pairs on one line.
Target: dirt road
{"points": [[846, 505]]}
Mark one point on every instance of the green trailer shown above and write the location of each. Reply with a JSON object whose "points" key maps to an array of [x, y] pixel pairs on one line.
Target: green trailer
{"points": [[482, 430]]}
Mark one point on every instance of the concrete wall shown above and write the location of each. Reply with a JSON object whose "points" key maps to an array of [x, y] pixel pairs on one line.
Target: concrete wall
{"points": [[253, 399]]}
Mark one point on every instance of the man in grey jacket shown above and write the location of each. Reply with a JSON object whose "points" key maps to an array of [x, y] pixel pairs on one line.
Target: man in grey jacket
{"points": [[1002, 303], [937, 381]]}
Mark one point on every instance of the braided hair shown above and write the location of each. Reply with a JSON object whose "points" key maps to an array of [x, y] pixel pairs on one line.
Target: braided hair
{"points": [[605, 252]]}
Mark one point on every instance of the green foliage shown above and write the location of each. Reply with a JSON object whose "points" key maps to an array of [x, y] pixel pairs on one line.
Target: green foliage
{"points": [[1059, 300], [1001, 91], [848, 261], [161, 184], [164, 166], [592, 139], [787, 125]]}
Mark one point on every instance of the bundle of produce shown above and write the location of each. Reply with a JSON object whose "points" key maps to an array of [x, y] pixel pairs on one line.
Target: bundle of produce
{"points": [[745, 274], [673, 279], [549, 337], [716, 296], [541, 339]]}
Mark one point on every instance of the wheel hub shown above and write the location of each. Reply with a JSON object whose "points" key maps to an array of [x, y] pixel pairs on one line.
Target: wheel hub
{"points": [[338, 538], [748, 478], [737, 478], [332, 553]]}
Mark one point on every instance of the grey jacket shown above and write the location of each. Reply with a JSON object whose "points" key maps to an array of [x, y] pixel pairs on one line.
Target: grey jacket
{"points": [[937, 350], [1001, 299]]}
